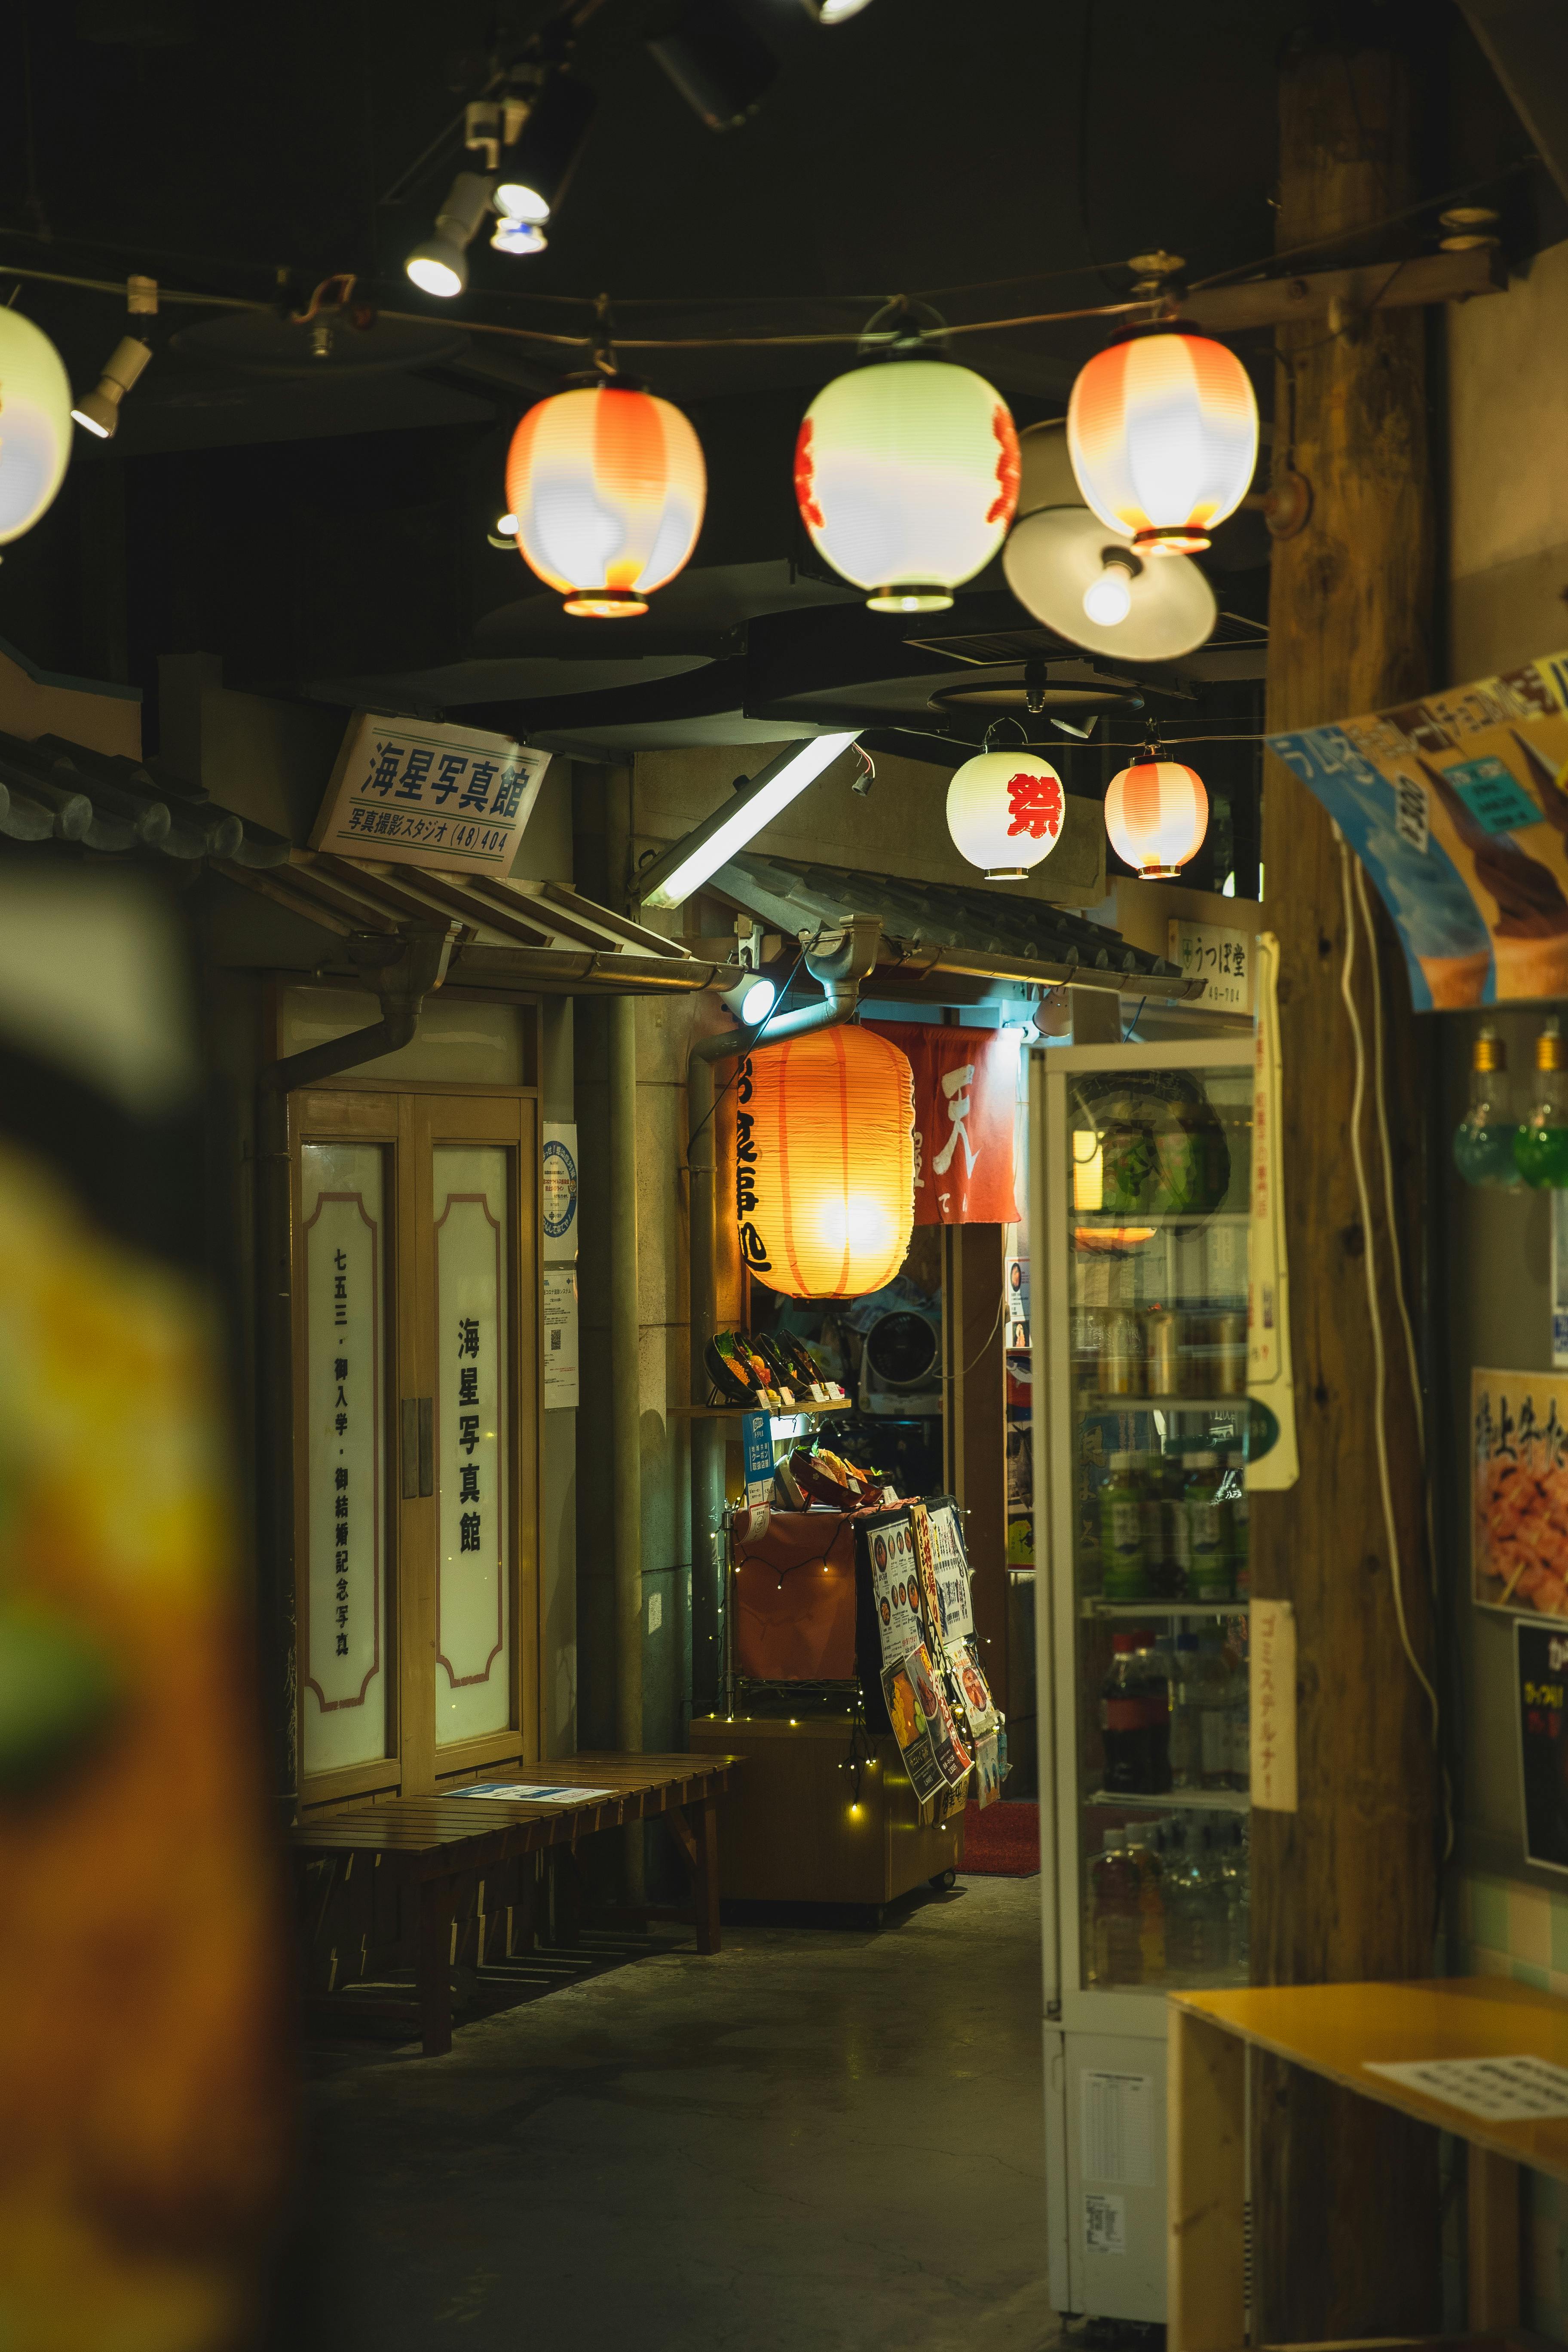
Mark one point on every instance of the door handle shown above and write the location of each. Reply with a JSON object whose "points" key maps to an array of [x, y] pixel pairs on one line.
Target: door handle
{"points": [[410, 1448], [426, 1446]]}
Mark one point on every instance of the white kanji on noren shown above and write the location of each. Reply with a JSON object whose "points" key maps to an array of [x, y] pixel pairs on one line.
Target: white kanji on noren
{"points": [[956, 1085]]}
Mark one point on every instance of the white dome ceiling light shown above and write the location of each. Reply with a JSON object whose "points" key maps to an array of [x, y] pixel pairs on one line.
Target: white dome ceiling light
{"points": [[1083, 580]]}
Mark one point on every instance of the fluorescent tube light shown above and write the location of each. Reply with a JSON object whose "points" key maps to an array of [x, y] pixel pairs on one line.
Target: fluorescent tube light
{"points": [[670, 881]]}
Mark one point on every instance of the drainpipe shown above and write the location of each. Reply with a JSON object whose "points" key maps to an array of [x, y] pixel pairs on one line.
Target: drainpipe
{"points": [[840, 961], [402, 970], [626, 1403]]}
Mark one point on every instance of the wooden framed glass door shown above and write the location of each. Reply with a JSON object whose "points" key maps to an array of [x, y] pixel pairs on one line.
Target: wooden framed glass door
{"points": [[416, 1288]]}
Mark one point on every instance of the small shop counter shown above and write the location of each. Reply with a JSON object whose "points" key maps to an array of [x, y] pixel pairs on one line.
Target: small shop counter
{"points": [[821, 1813]]}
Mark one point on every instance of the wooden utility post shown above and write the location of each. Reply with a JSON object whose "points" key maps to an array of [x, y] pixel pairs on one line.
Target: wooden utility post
{"points": [[1344, 1888]]}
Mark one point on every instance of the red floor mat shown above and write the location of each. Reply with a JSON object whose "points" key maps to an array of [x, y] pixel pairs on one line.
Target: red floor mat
{"points": [[1002, 1841]]}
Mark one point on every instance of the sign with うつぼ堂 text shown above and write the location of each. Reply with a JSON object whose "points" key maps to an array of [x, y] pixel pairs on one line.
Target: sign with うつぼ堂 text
{"points": [[1222, 958], [415, 793]]}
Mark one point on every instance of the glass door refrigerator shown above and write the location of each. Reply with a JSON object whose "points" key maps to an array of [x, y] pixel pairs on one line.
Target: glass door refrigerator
{"points": [[1140, 1170]]}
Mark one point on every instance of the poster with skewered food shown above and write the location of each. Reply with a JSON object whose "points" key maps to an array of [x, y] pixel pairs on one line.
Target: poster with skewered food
{"points": [[1519, 1491]]}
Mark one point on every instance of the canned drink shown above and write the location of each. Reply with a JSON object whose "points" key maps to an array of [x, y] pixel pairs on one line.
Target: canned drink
{"points": [[1230, 1354], [1122, 1355], [1162, 1351]]}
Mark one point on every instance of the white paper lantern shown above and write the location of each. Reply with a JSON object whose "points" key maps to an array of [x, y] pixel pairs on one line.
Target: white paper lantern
{"points": [[607, 485], [34, 424], [1156, 814], [1162, 433], [1006, 810], [906, 472]]}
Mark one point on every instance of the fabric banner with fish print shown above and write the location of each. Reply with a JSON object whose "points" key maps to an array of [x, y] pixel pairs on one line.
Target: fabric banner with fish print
{"points": [[1457, 807], [1519, 1487]]}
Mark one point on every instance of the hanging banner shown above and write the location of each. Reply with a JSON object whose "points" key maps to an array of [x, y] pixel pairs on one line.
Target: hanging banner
{"points": [[966, 1099], [1518, 1492], [1457, 806], [415, 793], [1268, 1375]]}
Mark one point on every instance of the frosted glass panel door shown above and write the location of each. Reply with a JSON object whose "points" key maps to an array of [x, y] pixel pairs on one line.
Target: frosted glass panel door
{"points": [[343, 1695], [473, 1286]]}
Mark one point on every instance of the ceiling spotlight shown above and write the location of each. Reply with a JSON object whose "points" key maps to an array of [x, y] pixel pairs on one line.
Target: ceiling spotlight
{"points": [[99, 410], [835, 12], [441, 266], [750, 1000], [518, 237], [532, 173], [717, 63]]}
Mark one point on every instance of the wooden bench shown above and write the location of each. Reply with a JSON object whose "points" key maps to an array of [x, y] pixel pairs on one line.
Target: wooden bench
{"points": [[437, 1841]]}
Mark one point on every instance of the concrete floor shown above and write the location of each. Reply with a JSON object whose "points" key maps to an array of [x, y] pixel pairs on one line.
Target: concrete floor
{"points": [[817, 2138]]}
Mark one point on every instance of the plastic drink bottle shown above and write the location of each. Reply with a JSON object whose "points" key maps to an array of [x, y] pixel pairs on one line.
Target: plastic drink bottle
{"points": [[1123, 1576]]}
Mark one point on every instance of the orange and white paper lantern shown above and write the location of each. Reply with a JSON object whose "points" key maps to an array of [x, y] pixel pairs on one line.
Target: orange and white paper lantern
{"points": [[609, 486], [906, 473], [1156, 814], [825, 1162], [1005, 811], [1163, 434]]}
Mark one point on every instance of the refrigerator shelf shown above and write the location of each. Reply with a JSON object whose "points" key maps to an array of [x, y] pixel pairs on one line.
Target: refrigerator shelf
{"points": [[1088, 1400], [1129, 1217], [1176, 1800], [1094, 1607]]}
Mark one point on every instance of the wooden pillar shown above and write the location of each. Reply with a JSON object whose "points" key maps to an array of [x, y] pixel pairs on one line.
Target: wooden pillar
{"points": [[1344, 1888]]}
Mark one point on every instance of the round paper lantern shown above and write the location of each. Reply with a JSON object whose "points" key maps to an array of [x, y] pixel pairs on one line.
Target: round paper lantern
{"points": [[609, 486], [1163, 433], [1004, 811], [34, 424], [906, 473], [824, 1164], [1156, 814]]}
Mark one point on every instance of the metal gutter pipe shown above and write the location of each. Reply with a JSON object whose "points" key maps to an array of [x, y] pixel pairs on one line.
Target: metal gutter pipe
{"points": [[840, 961], [403, 971], [626, 1402]]}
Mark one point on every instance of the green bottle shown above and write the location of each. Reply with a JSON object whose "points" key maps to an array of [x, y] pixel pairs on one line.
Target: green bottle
{"points": [[1541, 1146], [1122, 1531], [1212, 1568], [1483, 1141]]}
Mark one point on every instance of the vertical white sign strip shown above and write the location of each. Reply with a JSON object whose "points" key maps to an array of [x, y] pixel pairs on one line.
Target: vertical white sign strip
{"points": [[473, 1617], [1272, 1717]]}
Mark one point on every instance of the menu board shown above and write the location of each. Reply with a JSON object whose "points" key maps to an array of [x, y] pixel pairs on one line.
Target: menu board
{"points": [[922, 1719], [1541, 1659]]}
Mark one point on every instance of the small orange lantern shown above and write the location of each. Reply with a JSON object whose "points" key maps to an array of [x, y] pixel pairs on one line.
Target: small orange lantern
{"points": [[825, 1162], [1163, 434], [1156, 814]]}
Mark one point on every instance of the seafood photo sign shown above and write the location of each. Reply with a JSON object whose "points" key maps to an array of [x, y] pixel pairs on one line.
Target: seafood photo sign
{"points": [[1519, 1489], [1457, 807]]}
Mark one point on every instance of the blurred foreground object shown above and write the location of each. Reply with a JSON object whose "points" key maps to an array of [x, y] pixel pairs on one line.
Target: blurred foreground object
{"points": [[144, 2098]]}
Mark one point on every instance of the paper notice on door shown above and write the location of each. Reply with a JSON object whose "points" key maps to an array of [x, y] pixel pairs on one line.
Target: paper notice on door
{"points": [[1503, 2090], [1104, 2224], [1118, 2128], [560, 1337]]}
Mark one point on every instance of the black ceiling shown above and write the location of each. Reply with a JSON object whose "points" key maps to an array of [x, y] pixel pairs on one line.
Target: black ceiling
{"points": [[327, 532]]}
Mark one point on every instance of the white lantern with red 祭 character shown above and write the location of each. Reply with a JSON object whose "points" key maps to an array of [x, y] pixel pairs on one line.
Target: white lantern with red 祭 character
{"points": [[1005, 811], [906, 473], [1163, 434], [608, 486], [1156, 814]]}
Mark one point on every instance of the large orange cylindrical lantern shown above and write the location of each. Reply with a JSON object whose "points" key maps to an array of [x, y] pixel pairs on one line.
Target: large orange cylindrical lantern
{"points": [[1163, 434], [825, 1165], [609, 486], [1156, 814], [906, 473]]}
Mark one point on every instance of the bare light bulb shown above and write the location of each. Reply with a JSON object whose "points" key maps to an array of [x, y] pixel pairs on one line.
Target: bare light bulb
{"points": [[1108, 599]]}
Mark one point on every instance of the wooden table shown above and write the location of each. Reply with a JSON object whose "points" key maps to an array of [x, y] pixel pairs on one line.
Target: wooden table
{"points": [[1338, 2031], [438, 1841]]}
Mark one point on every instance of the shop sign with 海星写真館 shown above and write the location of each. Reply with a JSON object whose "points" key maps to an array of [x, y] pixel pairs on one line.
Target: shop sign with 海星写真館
{"points": [[1457, 807], [412, 791]]}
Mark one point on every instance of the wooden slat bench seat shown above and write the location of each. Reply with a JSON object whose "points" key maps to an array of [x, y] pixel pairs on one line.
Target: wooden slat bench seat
{"points": [[440, 1840]]}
